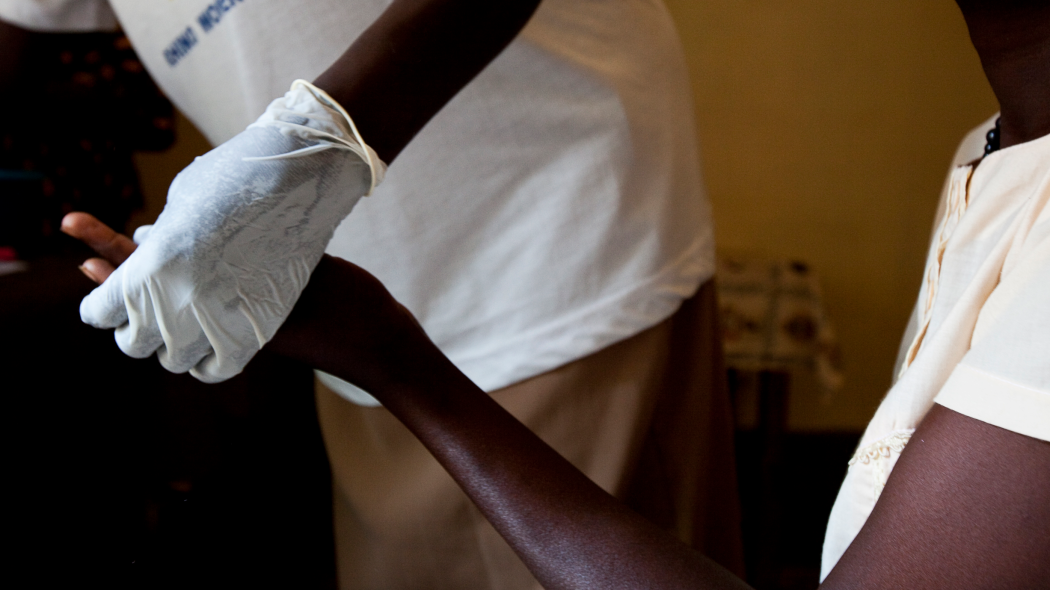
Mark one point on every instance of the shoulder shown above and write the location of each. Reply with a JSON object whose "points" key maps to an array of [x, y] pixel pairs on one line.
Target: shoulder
{"points": [[59, 15]]}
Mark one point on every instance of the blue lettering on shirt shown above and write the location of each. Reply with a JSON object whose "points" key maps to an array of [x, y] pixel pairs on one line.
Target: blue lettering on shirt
{"points": [[207, 20], [180, 46], [214, 13]]}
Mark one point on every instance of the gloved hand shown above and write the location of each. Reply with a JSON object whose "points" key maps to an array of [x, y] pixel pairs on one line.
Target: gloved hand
{"points": [[243, 228]]}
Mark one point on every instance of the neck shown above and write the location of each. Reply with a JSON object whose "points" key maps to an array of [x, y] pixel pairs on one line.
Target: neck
{"points": [[1012, 38]]}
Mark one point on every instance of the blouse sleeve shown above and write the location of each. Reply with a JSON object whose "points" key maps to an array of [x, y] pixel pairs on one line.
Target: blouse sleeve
{"points": [[1004, 379]]}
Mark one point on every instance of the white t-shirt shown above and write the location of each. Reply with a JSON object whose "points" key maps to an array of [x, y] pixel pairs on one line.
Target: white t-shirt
{"points": [[979, 340], [552, 208]]}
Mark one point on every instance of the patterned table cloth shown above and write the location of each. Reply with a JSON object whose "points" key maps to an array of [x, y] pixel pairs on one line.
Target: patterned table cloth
{"points": [[774, 320]]}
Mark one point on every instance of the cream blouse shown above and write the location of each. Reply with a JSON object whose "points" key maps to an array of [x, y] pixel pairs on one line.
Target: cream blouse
{"points": [[979, 340]]}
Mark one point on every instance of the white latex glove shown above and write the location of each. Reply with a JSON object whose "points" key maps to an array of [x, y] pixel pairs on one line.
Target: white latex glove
{"points": [[243, 228]]}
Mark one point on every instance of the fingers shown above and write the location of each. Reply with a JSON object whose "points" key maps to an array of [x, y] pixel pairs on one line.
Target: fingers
{"points": [[141, 233], [231, 346], [179, 342], [114, 248], [184, 341], [104, 307], [97, 269], [183, 357], [212, 369], [139, 336]]}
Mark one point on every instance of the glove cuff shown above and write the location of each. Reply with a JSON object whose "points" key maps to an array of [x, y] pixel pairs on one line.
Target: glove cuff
{"points": [[308, 112], [376, 165]]}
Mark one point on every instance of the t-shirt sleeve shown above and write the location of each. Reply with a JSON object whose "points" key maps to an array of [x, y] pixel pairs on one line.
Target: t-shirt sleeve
{"points": [[59, 15], [1004, 379]]}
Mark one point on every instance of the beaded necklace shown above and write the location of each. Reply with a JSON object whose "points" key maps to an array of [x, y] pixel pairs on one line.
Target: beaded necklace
{"points": [[992, 138]]}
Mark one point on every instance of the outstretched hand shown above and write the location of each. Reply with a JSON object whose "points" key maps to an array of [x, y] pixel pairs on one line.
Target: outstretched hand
{"points": [[113, 248], [242, 229], [367, 343]]}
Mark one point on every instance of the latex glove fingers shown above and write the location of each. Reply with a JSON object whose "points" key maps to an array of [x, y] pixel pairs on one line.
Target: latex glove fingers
{"points": [[244, 226], [141, 233], [109, 306], [104, 306]]}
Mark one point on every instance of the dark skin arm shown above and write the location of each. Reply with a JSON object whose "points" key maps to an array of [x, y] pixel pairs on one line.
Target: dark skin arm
{"points": [[416, 56], [968, 505], [401, 71]]}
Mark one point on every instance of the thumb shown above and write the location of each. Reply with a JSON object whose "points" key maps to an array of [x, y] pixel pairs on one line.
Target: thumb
{"points": [[141, 233], [104, 306]]}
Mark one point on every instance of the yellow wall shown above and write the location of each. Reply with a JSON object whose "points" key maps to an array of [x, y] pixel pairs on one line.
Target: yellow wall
{"points": [[826, 129]]}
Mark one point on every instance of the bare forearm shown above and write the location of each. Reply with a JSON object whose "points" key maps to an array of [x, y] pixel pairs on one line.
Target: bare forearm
{"points": [[403, 69], [567, 530]]}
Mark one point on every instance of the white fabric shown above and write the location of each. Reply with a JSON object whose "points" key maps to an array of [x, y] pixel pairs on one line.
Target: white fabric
{"points": [[552, 208], [59, 15], [980, 342], [992, 399], [245, 224]]}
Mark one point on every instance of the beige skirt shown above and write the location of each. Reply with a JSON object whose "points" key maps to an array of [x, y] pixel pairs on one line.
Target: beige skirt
{"points": [[647, 419]]}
